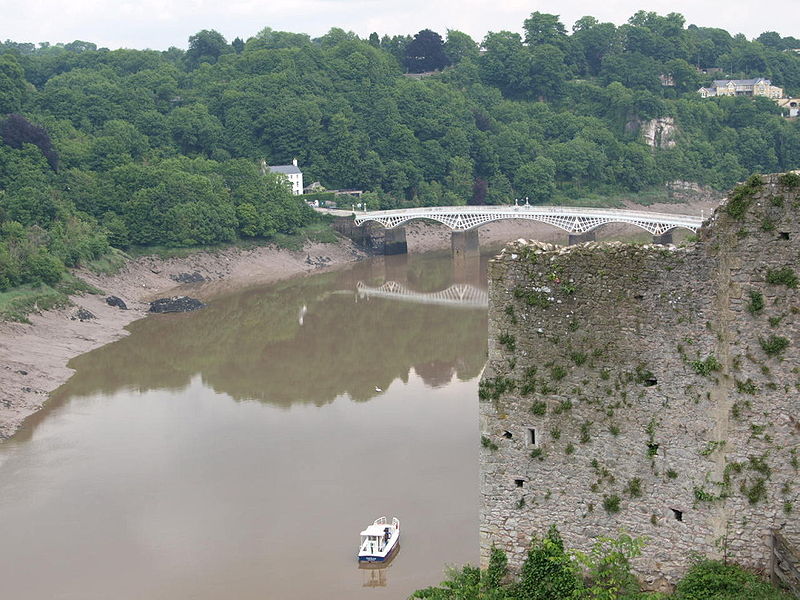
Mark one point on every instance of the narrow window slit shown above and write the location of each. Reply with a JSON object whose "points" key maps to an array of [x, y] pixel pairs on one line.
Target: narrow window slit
{"points": [[678, 514], [532, 436]]}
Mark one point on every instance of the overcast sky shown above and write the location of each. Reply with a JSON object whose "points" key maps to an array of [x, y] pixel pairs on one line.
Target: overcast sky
{"points": [[159, 24]]}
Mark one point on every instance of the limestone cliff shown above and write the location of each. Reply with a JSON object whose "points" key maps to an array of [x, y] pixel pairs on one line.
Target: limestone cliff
{"points": [[653, 389]]}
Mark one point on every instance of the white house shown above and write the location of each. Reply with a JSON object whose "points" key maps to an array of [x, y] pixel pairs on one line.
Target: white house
{"points": [[293, 175], [742, 87]]}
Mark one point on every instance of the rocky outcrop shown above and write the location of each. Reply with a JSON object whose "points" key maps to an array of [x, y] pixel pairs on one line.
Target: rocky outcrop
{"points": [[116, 301], [650, 389], [188, 277], [175, 304], [659, 133], [656, 133], [82, 314]]}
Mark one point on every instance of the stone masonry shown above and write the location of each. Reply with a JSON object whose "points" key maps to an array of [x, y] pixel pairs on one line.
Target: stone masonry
{"points": [[649, 389]]}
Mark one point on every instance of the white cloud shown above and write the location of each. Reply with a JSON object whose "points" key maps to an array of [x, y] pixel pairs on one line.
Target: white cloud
{"points": [[163, 23]]}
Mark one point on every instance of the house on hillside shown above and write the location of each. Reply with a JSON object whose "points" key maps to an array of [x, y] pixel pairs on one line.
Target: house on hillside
{"points": [[790, 106], [292, 172], [742, 87]]}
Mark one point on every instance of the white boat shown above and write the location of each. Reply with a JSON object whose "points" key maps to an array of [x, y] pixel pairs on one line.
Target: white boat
{"points": [[379, 540]]}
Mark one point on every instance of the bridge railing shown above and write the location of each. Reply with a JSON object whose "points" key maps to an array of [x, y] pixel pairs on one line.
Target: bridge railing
{"points": [[571, 219]]}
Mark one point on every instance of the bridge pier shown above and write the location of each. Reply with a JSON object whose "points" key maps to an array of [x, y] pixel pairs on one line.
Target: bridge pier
{"points": [[465, 243], [394, 241], [664, 239], [579, 238], [372, 237]]}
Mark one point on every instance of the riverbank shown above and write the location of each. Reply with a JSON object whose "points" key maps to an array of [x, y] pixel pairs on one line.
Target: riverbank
{"points": [[34, 357]]}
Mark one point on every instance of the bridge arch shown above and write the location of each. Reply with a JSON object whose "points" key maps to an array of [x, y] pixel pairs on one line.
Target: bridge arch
{"points": [[571, 219]]}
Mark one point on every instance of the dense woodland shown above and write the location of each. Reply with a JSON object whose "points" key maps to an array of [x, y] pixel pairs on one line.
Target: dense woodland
{"points": [[127, 148]]}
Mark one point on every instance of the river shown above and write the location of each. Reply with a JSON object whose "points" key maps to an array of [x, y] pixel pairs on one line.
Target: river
{"points": [[236, 452]]}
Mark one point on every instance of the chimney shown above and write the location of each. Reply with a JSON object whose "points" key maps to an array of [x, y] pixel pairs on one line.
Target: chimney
{"points": [[294, 162]]}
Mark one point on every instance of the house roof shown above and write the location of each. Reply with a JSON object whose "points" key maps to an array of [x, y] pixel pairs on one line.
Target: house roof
{"points": [[718, 83], [286, 169]]}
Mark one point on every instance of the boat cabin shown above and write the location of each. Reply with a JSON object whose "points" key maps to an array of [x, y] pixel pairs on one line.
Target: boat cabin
{"points": [[375, 538]]}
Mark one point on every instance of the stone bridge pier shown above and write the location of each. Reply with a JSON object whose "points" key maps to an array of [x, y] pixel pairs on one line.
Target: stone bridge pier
{"points": [[372, 236], [580, 238], [394, 241], [664, 239]]}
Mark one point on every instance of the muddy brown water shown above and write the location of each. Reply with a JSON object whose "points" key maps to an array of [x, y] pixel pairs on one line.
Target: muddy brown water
{"points": [[237, 452]]}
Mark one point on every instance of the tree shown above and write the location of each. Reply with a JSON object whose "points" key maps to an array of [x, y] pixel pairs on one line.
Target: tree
{"points": [[547, 72], [205, 46], [269, 39], [505, 63], [16, 130], [459, 46], [536, 180], [595, 40], [459, 179], [12, 84], [425, 52], [543, 28], [194, 129]]}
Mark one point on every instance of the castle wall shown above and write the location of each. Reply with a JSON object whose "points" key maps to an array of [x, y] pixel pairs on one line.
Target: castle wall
{"points": [[645, 389]]}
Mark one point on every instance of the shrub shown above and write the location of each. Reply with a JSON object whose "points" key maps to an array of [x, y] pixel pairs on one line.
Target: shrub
{"points": [[707, 366], [586, 432], [715, 580], [548, 571], [488, 444], [492, 389], [756, 303], [790, 180], [634, 488], [783, 276], [578, 358], [773, 345], [508, 340], [538, 407], [609, 570], [611, 503]]}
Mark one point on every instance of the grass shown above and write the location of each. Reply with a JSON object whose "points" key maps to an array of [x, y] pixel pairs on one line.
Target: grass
{"points": [[16, 304], [108, 264]]}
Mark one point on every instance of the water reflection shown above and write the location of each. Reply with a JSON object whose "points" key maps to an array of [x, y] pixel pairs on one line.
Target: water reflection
{"points": [[459, 294], [305, 341], [376, 574]]}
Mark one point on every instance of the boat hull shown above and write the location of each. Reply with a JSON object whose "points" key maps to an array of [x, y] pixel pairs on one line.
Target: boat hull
{"points": [[377, 558]]}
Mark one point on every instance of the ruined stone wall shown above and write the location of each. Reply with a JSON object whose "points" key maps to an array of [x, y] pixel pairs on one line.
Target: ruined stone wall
{"points": [[649, 389]]}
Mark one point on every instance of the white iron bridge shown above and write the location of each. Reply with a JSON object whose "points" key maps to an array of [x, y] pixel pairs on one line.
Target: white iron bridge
{"points": [[459, 294], [571, 219]]}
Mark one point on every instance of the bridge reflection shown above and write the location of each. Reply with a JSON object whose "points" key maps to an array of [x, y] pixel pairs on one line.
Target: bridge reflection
{"points": [[459, 294]]}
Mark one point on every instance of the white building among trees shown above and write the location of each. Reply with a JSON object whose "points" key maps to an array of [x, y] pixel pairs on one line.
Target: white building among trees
{"points": [[742, 87], [292, 173]]}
